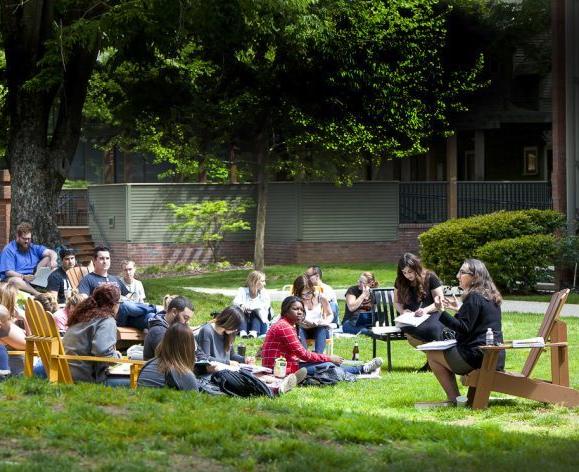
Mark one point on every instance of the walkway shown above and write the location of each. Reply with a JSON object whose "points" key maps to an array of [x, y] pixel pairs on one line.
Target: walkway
{"points": [[517, 306]]}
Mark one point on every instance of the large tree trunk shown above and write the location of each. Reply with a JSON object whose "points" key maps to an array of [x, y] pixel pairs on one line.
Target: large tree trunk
{"points": [[39, 152], [261, 180]]}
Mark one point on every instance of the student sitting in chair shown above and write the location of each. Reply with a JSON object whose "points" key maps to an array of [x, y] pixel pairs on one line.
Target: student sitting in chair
{"points": [[480, 310], [359, 305], [255, 303]]}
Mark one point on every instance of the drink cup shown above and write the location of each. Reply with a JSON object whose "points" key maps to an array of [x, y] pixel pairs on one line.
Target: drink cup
{"points": [[461, 401]]}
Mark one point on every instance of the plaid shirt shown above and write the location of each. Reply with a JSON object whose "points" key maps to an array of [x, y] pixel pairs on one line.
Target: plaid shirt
{"points": [[282, 341]]}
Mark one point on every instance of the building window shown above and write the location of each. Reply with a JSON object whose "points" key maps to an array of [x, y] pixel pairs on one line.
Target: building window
{"points": [[531, 160]]}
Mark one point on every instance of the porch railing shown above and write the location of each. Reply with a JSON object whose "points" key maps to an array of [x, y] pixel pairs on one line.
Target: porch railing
{"points": [[72, 208], [478, 198], [426, 202]]}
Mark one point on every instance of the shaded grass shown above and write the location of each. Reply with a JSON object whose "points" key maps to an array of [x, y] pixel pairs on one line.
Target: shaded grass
{"points": [[367, 425]]}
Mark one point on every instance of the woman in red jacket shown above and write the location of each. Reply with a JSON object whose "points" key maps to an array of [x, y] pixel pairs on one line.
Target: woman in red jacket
{"points": [[282, 341]]}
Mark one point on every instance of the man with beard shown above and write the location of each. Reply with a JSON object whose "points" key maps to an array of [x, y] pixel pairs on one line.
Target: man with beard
{"points": [[21, 258]]}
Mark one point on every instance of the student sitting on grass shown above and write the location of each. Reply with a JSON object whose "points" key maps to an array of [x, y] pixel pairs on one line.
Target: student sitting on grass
{"points": [[179, 310], [282, 341], [255, 304], [480, 310], [318, 314], [173, 365], [215, 339], [11, 336]]}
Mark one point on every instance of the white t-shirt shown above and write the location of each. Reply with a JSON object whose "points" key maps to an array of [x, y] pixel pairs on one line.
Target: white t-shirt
{"points": [[136, 290], [261, 302]]}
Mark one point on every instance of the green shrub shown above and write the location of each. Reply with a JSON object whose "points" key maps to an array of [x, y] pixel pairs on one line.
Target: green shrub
{"points": [[518, 263], [445, 246]]}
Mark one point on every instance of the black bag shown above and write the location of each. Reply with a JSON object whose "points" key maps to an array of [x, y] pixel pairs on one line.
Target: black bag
{"points": [[328, 374], [240, 384]]}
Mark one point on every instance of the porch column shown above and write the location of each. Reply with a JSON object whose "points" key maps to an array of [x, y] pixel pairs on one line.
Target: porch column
{"points": [[451, 176]]}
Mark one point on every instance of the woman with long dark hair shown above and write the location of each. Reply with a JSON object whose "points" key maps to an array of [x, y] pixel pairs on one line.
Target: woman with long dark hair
{"points": [[92, 331], [480, 311], [415, 289], [215, 339], [174, 361]]}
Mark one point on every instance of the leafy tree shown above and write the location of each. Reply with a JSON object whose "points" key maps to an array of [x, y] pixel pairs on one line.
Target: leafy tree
{"points": [[51, 49], [208, 222]]}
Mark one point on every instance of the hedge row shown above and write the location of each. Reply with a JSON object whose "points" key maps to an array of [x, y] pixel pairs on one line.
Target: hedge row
{"points": [[445, 246]]}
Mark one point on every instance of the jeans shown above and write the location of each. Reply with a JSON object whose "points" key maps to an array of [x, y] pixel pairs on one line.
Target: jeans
{"points": [[135, 315], [311, 367], [336, 310], [362, 325], [4, 366], [319, 334], [252, 322]]}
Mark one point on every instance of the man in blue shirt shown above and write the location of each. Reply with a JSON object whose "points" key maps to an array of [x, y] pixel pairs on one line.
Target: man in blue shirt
{"points": [[20, 259]]}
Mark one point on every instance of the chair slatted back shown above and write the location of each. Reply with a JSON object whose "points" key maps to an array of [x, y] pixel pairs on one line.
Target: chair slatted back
{"points": [[551, 315], [383, 308], [74, 274], [46, 338]]}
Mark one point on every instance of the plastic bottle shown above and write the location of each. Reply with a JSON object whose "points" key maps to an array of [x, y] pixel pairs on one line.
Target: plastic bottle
{"points": [[490, 337], [356, 352]]}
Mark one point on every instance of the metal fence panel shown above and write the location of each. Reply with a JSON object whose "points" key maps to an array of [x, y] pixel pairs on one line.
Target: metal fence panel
{"points": [[423, 202]]}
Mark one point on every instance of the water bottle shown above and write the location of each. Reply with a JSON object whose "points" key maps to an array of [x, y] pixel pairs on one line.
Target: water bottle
{"points": [[490, 337], [356, 352]]}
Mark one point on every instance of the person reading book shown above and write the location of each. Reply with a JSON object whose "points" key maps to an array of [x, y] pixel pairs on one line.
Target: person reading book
{"points": [[414, 291], [480, 310], [21, 258]]}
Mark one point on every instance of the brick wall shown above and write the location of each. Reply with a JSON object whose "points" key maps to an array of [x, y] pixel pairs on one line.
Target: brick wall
{"points": [[275, 253]]}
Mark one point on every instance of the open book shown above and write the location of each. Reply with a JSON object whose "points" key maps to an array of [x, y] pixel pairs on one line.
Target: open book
{"points": [[530, 342], [437, 345], [41, 277], [408, 319]]}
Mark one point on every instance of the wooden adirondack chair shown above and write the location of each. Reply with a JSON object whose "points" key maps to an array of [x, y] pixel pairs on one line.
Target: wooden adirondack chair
{"points": [[557, 391], [46, 341], [74, 274]]}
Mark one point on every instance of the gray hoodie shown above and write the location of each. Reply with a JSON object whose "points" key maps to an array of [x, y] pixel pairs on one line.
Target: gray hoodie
{"points": [[91, 338]]}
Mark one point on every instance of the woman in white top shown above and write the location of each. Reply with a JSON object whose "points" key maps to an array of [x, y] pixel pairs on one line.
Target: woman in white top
{"points": [[319, 314], [254, 300]]}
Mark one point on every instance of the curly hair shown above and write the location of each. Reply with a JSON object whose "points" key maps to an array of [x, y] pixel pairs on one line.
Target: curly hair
{"points": [[101, 304]]}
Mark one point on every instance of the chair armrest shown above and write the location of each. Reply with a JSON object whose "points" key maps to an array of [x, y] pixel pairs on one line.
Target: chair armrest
{"points": [[386, 330], [107, 360], [502, 347]]}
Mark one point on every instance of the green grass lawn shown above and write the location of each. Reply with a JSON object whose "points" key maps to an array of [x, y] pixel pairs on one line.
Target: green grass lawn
{"points": [[367, 425]]}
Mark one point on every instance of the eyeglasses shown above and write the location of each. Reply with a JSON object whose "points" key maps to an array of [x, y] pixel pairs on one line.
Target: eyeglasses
{"points": [[309, 276], [464, 272]]}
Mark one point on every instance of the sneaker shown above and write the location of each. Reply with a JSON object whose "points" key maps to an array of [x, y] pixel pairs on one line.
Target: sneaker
{"points": [[301, 375], [371, 366], [287, 384], [243, 334], [253, 334]]}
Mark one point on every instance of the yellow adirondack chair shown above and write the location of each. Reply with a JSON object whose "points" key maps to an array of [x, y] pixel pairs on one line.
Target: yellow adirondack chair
{"points": [[46, 342], [485, 380]]}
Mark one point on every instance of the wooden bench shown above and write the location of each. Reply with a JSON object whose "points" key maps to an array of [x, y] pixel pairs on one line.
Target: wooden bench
{"points": [[126, 337]]}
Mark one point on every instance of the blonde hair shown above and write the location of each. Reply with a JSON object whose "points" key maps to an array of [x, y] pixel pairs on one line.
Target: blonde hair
{"points": [[167, 300], [253, 278], [8, 296]]}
